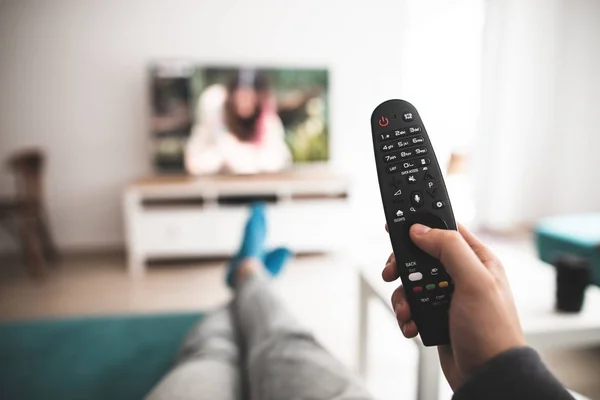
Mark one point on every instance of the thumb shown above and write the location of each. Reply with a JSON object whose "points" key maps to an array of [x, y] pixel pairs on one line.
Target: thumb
{"points": [[452, 250]]}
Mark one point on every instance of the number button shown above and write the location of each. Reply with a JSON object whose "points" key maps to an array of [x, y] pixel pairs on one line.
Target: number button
{"points": [[388, 147], [406, 165], [414, 129], [417, 140], [385, 136], [421, 151], [390, 158], [398, 133]]}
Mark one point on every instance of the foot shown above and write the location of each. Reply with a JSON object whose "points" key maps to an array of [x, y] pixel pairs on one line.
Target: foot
{"points": [[253, 242], [253, 247], [276, 259]]}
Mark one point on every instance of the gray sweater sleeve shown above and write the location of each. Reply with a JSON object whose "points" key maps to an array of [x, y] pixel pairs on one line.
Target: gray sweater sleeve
{"points": [[515, 374]]}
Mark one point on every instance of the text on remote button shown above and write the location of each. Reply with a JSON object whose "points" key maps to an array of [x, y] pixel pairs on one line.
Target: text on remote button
{"points": [[397, 133], [393, 168], [417, 140], [415, 276], [388, 147], [414, 129], [409, 164], [420, 150], [385, 136], [390, 158], [407, 153]]}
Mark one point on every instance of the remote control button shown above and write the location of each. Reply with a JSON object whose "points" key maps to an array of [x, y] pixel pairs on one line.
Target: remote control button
{"points": [[388, 147], [390, 158], [432, 192], [393, 168], [416, 198], [434, 271], [419, 151], [438, 205], [406, 165], [428, 219], [424, 161], [412, 178], [399, 132], [427, 176], [418, 289], [417, 140], [415, 276], [404, 143], [383, 122], [399, 213], [407, 117], [398, 192], [414, 129], [407, 153], [431, 286], [385, 136], [443, 284]]}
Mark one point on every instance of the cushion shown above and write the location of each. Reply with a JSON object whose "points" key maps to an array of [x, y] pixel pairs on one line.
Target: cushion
{"points": [[117, 357]]}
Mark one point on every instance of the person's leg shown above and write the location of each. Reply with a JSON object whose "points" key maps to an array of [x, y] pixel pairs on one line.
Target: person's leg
{"points": [[284, 360], [208, 364]]}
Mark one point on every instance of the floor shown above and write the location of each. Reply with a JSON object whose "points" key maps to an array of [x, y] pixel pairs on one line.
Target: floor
{"points": [[96, 285]]}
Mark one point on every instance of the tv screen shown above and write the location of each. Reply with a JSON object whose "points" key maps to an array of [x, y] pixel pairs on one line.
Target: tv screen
{"points": [[238, 120]]}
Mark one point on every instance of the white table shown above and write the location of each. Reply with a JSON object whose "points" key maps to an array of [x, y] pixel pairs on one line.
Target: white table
{"points": [[533, 286]]}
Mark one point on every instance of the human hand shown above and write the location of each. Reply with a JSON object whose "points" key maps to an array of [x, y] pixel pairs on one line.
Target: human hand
{"points": [[483, 317]]}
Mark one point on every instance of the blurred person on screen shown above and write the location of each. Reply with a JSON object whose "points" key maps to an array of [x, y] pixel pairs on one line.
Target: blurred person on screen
{"points": [[238, 129]]}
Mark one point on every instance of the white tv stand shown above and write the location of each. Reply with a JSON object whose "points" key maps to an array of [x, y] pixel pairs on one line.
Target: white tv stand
{"points": [[184, 217]]}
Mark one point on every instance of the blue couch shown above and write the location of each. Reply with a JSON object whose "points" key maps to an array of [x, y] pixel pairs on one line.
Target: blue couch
{"points": [[117, 357]]}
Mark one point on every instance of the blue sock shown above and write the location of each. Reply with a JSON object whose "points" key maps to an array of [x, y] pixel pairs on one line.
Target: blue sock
{"points": [[276, 259], [253, 242]]}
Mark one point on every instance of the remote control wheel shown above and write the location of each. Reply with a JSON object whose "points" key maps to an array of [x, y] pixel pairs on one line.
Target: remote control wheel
{"points": [[428, 219]]}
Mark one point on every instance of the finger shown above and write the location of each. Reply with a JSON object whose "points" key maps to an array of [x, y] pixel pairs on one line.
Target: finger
{"points": [[390, 271], [409, 329], [387, 229], [483, 253], [400, 305], [452, 250]]}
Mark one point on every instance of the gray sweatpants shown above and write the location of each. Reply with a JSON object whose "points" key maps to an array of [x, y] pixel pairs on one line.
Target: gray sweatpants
{"points": [[254, 347]]}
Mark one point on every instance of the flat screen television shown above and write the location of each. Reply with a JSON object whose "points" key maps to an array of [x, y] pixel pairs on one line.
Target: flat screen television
{"points": [[237, 120]]}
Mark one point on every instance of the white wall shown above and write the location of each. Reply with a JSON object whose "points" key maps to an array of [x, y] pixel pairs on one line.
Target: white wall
{"points": [[72, 80]]}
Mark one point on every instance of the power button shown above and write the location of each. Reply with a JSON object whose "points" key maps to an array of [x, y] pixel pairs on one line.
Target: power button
{"points": [[383, 121]]}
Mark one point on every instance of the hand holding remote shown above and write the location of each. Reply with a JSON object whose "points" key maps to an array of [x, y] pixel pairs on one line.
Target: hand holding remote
{"points": [[483, 318]]}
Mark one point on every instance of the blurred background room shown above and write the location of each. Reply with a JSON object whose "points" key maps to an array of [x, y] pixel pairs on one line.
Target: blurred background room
{"points": [[135, 134]]}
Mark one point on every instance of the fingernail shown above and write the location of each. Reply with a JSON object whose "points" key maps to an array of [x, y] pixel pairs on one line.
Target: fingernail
{"points": [[419, 229]]}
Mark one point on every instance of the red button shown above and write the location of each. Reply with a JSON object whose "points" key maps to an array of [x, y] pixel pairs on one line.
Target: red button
{"points": [[418, 289], [383, 121]]}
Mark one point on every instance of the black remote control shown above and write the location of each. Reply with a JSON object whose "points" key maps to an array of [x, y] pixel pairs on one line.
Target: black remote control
{"points": [[413, 191]]}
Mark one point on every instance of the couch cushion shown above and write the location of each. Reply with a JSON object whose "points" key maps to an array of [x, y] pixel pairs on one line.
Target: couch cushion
{"points": [[119, 357]]}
